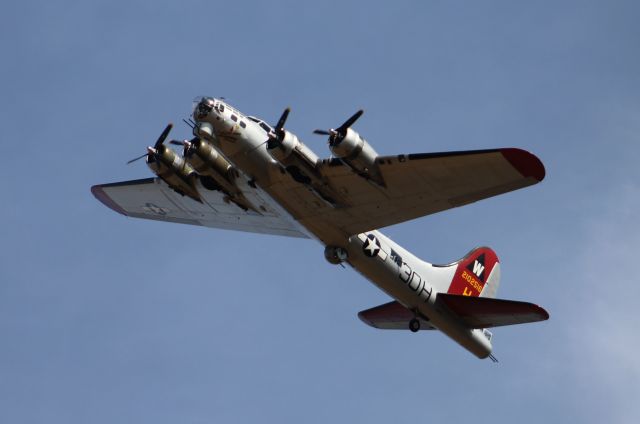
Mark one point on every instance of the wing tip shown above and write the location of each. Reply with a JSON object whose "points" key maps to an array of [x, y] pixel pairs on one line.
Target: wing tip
{"points": [[363, 317], [525, 162], [544, 315], [99, 193]]}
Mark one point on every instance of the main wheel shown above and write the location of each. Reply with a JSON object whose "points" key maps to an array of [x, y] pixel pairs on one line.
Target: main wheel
{"points": [[414, 325]]}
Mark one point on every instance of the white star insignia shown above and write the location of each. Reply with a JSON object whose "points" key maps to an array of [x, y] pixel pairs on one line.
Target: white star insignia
{"points": [[371, 247]]}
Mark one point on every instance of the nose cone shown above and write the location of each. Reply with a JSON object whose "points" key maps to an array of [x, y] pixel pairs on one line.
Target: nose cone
{"points": [[202, 107], [151, 155]]}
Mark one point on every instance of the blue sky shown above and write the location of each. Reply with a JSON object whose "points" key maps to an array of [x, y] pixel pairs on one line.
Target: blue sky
{"points": [[106, 319]]}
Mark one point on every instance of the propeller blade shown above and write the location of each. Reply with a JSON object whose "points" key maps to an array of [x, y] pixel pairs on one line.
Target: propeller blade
{"points": [[282, 120], [277, 135], [177, 143], [163, 136], [349, 122], [322, 132], [138, 158], [158, 145]]}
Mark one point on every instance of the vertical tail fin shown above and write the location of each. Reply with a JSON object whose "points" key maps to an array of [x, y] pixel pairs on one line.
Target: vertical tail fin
{"points": [[477, 274]]}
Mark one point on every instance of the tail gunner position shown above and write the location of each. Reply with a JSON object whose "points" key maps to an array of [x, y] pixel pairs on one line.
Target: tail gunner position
{"points": [[240, 173]]}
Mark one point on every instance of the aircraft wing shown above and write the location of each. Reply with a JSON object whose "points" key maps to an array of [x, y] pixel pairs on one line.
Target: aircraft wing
{"points": [[485, 312], [151, 198], [391, 316], [422, 184]]}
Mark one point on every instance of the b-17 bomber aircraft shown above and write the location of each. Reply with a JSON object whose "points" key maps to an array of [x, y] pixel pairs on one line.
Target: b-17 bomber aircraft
{"points": [[240, 173]]}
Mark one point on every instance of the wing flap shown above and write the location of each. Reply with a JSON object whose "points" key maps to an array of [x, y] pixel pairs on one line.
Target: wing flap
{"points": [[391, 316], [485, 312]]}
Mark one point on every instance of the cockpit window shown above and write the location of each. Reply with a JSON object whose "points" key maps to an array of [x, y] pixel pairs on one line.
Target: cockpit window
{"points": [[260, 122]]}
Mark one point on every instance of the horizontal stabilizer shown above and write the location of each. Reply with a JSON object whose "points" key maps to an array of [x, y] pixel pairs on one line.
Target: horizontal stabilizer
{"points": [[485, 312], [391, 316]]}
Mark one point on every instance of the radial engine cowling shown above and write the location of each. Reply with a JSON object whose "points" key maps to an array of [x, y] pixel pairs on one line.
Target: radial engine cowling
{"points": [[173, 169], [216, 172], [207, 160], [353, 150], [290, 149]]}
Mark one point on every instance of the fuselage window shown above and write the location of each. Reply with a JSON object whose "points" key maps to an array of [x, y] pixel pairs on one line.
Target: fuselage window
{"points": [[243, 125], [234, 118], [265, 127]]}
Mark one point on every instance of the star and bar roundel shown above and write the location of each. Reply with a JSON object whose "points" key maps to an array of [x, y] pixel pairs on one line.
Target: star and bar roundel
{"points": [[371, 246]]}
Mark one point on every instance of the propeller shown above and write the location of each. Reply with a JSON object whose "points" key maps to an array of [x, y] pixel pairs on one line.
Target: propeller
{"points": [[163, 136], [336, 135], [157, 146], [277, 135], [138, 158]]}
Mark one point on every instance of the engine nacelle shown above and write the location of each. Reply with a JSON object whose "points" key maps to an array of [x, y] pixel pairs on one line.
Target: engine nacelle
{"points": [[207, 160], [173, 170], [299, 160], [216, 172], [291, 149], [353, 150]]}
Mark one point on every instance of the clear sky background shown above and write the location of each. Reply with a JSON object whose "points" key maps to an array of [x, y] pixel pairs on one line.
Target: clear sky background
{"points": [[106, 319]]}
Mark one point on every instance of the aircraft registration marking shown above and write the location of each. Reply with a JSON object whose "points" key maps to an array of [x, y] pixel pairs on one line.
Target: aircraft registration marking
{"points": [[472, 281], [414, 281]]}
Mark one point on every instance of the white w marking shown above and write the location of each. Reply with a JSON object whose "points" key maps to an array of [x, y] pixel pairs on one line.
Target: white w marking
{"points": [[478, 268]]}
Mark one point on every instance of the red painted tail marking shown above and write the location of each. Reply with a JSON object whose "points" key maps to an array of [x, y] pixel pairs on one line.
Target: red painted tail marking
{"points": [[472, 272]]}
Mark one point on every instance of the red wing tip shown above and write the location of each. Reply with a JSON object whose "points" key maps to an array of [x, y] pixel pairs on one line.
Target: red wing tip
{"points": [[543, 313], [526, 163], [539, 311], [363, 318], [98, 193]]}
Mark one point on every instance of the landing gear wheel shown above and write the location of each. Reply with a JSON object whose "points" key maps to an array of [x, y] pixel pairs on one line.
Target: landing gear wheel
{"points": [[414, 325]]}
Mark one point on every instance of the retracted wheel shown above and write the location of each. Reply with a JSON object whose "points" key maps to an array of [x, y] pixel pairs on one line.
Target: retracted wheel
{"points": [[414, 325]]}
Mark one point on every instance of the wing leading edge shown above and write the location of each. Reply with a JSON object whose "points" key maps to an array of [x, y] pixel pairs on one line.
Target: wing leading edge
{"points": [[151, 198]]}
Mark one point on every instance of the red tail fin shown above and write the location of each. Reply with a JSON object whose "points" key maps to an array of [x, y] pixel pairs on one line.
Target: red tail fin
{"points": [[477, 273]]}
